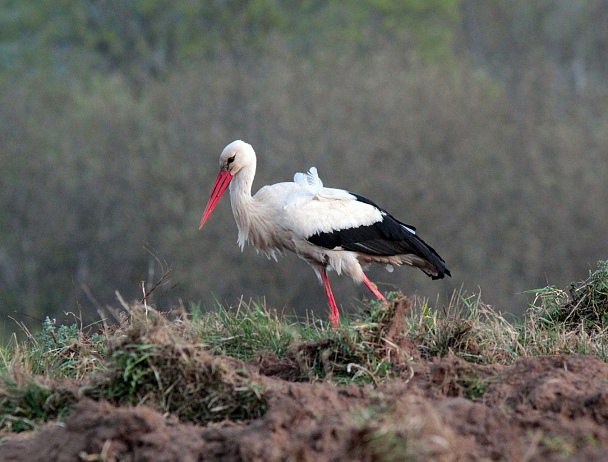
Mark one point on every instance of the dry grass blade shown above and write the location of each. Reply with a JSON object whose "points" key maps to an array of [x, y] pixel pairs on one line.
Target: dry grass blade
{"points": [[467, 327]]}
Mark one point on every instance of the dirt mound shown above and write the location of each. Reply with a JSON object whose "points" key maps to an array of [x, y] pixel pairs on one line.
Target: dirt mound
{"points": [[113, 434], [547, 408]]}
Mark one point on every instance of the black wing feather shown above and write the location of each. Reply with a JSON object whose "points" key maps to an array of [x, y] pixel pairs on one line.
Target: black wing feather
{"points": [[383, 238]]}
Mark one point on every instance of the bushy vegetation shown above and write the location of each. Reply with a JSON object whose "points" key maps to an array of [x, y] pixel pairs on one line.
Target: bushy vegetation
{"points": [[145, 39], [111, 121], [205, 367]]}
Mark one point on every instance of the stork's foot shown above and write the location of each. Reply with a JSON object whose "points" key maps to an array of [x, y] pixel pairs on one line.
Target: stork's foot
{"points": [[371, 286]]}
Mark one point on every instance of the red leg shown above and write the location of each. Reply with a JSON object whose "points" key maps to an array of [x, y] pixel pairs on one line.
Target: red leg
{"points": [[373, 288], [334, 314]]}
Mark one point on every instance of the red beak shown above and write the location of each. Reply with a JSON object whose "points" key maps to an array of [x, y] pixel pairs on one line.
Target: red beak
{"points": [[221, 183]]}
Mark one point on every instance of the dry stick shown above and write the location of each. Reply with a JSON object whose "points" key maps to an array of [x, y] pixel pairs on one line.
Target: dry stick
{"points": [[23, 327], [144, 300], [159, 282], [361, 368]]}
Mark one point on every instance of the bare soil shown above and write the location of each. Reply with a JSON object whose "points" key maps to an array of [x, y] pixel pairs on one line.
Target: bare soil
{"points": [[539, 409]]}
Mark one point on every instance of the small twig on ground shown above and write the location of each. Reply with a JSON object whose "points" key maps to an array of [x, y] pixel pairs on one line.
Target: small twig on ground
{"points": [[361, 368], [159, 282]]}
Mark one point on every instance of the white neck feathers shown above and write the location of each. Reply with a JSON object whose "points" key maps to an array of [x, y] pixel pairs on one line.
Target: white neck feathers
{"points": [[242, 202]]}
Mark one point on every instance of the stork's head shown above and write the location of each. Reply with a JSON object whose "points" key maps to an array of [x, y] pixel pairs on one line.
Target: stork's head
{"points": [[235, 156], [233, 159]]}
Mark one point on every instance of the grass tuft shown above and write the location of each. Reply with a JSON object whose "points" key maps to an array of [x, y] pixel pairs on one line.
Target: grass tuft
{"points": [[584, 305], [466, 328], [151, 362], [572, 322], [244, 332], [26, 400]]}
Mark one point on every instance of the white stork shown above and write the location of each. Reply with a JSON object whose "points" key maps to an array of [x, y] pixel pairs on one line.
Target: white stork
{"points": [[328, 228]]}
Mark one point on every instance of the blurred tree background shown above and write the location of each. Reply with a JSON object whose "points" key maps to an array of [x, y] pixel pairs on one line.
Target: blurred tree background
{"points": [[484, 124]]}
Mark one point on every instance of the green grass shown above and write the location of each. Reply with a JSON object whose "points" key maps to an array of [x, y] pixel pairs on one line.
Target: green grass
{"points": [[26, 399], [194, 364], [584, 304], [26, 402], [244, 331]]}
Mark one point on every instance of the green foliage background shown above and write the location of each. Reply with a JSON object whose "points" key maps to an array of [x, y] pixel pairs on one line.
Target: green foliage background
{"points": [[481, 123]]}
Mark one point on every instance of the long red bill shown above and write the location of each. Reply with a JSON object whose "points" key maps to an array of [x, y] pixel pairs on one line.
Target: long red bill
{"points": [[221, 183]]}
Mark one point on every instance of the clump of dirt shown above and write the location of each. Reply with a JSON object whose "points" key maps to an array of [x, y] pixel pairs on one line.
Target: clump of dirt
{"points": [[99, 431]]}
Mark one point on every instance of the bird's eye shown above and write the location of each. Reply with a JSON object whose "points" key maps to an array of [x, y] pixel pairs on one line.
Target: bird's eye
{"points": [[231, 159]]}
